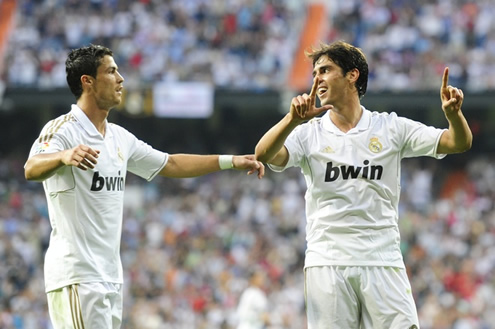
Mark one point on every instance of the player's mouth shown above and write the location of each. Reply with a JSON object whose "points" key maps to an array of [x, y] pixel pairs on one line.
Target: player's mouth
{"points": [[119, 90], [322, 91]]}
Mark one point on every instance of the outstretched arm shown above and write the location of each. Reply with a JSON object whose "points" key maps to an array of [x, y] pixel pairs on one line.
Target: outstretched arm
{"points": [[270, 148], [459, 137], [41, 166], [193, 165]]}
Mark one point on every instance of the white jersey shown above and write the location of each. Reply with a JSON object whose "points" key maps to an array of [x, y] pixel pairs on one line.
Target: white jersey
{"points": [[353, 185], [86, 207], [252, 306]]}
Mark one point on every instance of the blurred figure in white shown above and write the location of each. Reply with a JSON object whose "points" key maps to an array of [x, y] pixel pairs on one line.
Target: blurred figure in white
{"points": [[252, 311]]}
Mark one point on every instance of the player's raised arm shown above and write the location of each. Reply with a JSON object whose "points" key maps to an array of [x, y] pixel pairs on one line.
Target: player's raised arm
{"points": [[459, 137], [270, 148]]}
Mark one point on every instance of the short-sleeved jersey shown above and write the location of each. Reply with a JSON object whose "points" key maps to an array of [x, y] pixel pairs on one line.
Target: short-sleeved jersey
{"points": [[353, 185], [253, 304], [86, 207]]}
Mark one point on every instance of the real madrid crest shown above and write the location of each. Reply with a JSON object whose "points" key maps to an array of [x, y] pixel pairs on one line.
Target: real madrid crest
{"points": [[375, 145]]}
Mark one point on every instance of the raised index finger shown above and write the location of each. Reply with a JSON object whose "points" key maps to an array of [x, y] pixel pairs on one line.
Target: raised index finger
{"points": [[312, 94], [445, 79]]}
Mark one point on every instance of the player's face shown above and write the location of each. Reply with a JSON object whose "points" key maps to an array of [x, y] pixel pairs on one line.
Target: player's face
{"points": [[108, 85], [333, 83]]}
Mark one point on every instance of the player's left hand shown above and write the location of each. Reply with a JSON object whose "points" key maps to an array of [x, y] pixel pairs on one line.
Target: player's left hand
{"points": [[450, 96], [249, 162]]}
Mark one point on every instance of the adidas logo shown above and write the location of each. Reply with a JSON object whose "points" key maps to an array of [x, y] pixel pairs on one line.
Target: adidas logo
{"points": [[327, 149]]}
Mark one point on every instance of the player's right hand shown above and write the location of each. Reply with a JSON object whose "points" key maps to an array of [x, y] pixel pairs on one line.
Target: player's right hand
{"points": [[81, 156], [249, 162], [451, 97], [303, 107]]}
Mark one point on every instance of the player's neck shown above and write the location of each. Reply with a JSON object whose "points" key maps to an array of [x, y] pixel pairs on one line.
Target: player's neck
{"points": [[96, 115], [346, 117]]}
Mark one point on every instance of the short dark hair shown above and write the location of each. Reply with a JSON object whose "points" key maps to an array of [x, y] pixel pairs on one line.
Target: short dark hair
{"points": [[83, 61], [347, 57]]}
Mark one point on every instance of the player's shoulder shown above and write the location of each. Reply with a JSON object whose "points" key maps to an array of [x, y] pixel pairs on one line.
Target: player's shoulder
{"points": [[312, 124], [393, 119], [59, 124], [62, 119], [383, 115], [315, 121], [120, 131], [384, 118], [310, 127], [117, 128]]}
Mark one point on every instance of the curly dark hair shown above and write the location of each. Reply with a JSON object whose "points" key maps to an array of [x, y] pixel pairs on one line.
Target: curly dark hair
{"points": [[347, 57], [83, 61]]}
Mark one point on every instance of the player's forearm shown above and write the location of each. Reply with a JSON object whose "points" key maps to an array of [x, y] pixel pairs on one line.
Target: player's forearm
{"points": [[42, 166], [272, 142], [190, 165], [462, 135], [458, 138]]}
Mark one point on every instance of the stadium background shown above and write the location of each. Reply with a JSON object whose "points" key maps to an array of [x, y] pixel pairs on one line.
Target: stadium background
{"points": [[188, 245]]}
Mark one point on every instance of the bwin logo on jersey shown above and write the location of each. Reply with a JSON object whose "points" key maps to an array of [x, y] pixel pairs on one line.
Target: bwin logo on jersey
{"points": [[351, 172], [115, 183]]}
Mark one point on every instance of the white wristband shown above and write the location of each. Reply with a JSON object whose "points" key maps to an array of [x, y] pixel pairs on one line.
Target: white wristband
{"points": [[225, 161]]}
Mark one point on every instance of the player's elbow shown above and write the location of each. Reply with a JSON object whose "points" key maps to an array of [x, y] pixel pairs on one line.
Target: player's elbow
{"points": [[450, 144], [32, 174], [29, 175], [261, 154], [468, 145], [465, 145], [28, 172]]}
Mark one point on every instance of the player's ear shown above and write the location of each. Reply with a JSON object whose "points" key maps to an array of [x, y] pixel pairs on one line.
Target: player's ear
{"points": [[86, 80], [353, 75]]}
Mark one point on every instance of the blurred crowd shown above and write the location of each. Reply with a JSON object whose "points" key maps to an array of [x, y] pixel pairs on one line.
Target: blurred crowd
{"points": [[234, 43], [188, 246], [409, 42], [250, 43]]}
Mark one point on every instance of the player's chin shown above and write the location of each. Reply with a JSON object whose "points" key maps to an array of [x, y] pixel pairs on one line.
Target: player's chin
{"points": [[118, 100], [324, 101]]}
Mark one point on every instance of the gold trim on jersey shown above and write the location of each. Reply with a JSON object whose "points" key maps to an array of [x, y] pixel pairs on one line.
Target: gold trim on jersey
{"points": [[54, 127], [75, 307], [119, 153]]}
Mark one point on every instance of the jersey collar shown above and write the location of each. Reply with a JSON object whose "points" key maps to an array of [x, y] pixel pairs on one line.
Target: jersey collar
{"points": [[87, 124], [362, 125]]}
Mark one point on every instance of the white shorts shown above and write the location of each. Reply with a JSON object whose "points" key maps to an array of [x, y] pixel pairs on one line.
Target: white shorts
{"points": [[354, 297], [86, 306]]}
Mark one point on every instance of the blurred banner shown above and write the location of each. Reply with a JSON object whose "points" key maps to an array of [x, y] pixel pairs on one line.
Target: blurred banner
{"points": [[183, 100]]}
